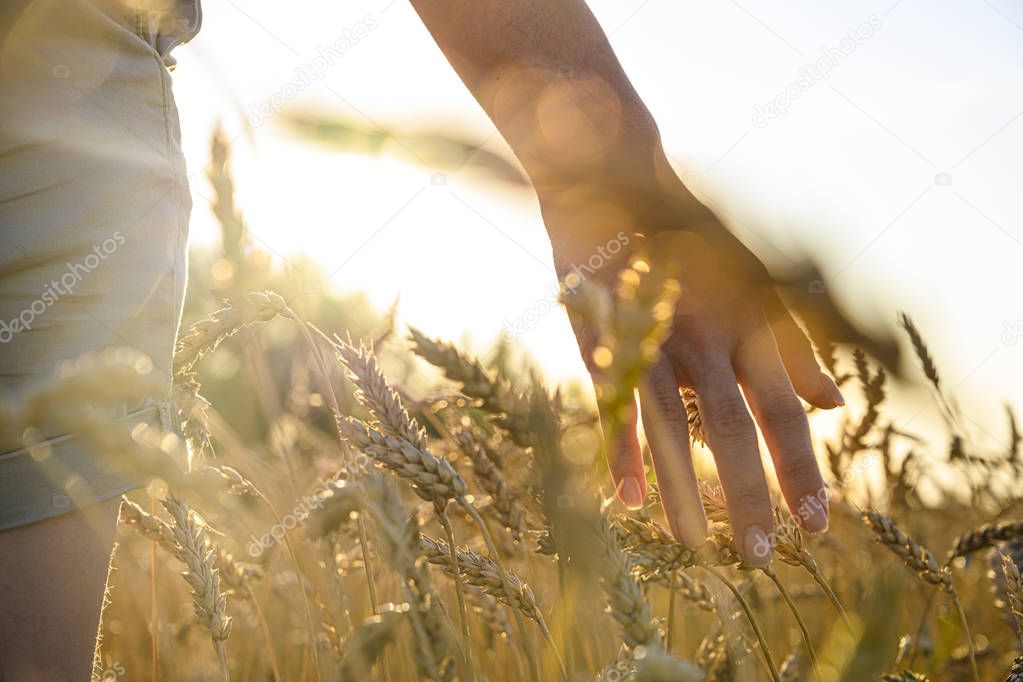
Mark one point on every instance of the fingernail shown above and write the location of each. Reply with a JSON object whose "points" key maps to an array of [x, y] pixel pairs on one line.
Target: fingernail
{"points": [[813, 514], [631, 493], [756, 548], [831, 388]]}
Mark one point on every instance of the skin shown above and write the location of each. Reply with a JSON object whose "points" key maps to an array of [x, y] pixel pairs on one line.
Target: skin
{"points": [[52, 577], [547, 77]]}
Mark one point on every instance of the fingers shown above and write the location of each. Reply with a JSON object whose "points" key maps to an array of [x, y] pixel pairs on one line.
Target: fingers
{"points": [[815, 387], [733, 440], [783, 422], [667, 431], [625, 462], [625, 459]]}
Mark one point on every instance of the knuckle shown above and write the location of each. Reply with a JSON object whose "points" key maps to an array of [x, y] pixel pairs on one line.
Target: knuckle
{"points": [[730, 417], [750, 499], [783, 409], [802, 471], [668, 403]]}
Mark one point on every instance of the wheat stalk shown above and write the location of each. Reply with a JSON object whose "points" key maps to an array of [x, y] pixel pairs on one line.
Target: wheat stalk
{"points": [[495, 394], [208, 601], [790, 549], [504, 502], [804, 631], [482, 572], [1016, 670], [1013, 592], [655, 551], [367, 644], [400, 548], [713, 499], [921, 562], [494, 619], [205, 335], [920, 348], [984, 537], [915, 555], [625, 598], [433, 479], [394, 421], [765, 650], [377, 396]]}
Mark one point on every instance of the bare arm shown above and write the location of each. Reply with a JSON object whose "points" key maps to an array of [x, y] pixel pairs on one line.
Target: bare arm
{"points": [[544, 72], [547, 77]]}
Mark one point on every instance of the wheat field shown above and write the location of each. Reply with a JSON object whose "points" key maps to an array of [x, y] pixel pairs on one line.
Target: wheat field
{"points": [[357, 501]]}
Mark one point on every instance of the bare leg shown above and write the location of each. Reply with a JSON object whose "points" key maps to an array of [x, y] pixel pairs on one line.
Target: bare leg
{"points": [[52, 578]]}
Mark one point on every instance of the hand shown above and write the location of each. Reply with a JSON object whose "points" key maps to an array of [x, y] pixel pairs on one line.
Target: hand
{"points": [[731, 337]]}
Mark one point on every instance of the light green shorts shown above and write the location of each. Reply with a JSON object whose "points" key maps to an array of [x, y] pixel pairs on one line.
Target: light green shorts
{"points": [[94, 212]]}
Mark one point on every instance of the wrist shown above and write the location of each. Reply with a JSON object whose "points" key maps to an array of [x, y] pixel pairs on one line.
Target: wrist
{"points": [[583, 217]]}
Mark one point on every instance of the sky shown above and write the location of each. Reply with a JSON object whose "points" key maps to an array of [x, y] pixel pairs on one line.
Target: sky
{"points": [[881, 138]]}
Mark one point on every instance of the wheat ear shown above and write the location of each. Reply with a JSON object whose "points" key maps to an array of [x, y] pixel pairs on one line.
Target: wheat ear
{"points": [[1013, 592], [1016, 671], [790, 549], [505, 504], [377, 396], [208, 601], [984, 537], [624, 595], [494, 393], [394, 421], [367, 644], [205, 335], [923, 563]]}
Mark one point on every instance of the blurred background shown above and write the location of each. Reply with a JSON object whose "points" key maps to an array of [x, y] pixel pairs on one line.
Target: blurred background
{"points": [[880, 141]]}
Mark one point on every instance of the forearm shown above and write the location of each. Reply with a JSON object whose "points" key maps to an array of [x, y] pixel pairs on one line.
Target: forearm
{"points": [[546, 75]]}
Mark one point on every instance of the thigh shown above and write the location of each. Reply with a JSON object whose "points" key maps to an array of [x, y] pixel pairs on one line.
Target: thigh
{"points": [[52, 578]]}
